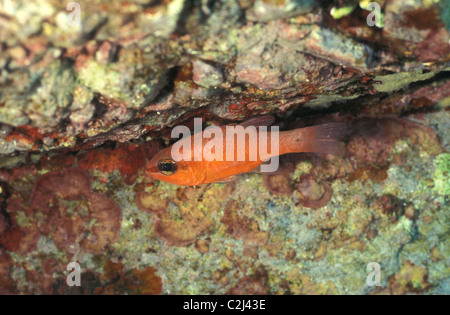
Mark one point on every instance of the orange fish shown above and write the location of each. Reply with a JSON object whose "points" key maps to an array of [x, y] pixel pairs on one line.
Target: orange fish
{"points": [[209, 169]]}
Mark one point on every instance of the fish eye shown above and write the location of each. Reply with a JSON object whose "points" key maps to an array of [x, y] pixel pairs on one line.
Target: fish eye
{"points": [[167, 167]]}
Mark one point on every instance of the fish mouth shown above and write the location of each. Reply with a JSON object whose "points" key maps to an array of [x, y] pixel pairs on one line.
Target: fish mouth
{"points": [[153, 170]]}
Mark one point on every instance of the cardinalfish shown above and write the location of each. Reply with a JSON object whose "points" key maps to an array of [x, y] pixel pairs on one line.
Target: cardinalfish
{"points": [[237, 149]]}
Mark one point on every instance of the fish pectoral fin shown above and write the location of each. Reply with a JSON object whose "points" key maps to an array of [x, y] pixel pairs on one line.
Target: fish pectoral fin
{"points": [[228, 179], [265, 120], [258, 169]]}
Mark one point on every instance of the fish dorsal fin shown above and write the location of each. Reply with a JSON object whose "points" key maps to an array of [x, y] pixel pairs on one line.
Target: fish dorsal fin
{"points": [[265, 120]]}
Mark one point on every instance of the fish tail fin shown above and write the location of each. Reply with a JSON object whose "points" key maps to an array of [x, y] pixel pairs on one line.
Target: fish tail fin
{"points": [[323, 138], [323, 146], [330, 131]]}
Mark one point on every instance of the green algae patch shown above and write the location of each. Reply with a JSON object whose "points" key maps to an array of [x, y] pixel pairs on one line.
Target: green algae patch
{"points": [[325, 101], [444, 103], [442, 173], [303, 167], [101, 79], [444, 11], [396, 81], [338, 13]]}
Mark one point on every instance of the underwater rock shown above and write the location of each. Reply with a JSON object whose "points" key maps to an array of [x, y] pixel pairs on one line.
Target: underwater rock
{"points": [[280, 183], [7, 283], [193, 223], [411, 278], [205, 74], [242, 227], [152, 202], [250, 49], [441, 175], [117, 280], [107, 216], [371, 145], [389, 206], [313, 195], [184, 232], [251, 285], [263, 10], [127, 159], [53, 195]]}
